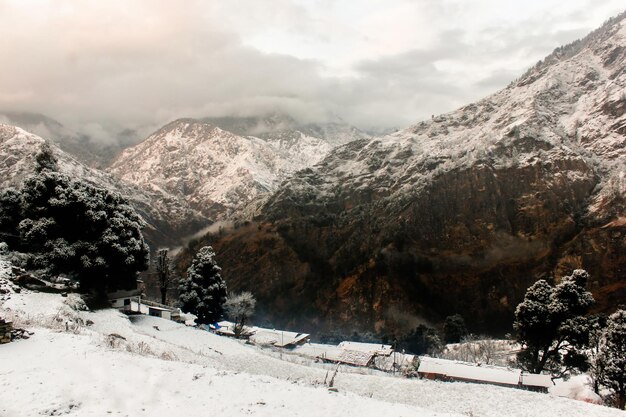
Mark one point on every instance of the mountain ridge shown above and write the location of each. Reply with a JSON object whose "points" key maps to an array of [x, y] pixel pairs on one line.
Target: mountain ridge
{"points": [[214, 170], [460, 213]]}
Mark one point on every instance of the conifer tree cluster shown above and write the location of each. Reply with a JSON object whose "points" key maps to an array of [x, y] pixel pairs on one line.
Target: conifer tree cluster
{"points": [[69, 226]]}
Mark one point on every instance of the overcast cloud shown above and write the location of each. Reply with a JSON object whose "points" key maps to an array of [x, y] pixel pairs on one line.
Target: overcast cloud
{"points": [[102, 65]]}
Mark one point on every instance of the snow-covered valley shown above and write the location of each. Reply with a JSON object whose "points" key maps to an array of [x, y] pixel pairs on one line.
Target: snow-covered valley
{"points": [[86, 363]]}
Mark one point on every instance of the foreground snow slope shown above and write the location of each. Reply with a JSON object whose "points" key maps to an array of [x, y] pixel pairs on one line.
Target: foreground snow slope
{"points": [[61, 373], [90, 373]]}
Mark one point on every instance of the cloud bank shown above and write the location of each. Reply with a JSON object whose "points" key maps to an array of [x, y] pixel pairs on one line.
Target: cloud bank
{"points": [[105, 66]]}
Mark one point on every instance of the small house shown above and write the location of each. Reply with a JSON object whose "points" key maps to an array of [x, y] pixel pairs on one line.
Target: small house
{"points": [[130, 302], [447, 370], [122, 298], [356, 353]]}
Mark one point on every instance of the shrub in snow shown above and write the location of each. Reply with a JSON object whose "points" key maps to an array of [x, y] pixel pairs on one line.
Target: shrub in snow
{"points": [[203, 291], [71, 227], [478, 349], [551, 325], [454, 329], [421, 340], [75, 302], [239, 307]]}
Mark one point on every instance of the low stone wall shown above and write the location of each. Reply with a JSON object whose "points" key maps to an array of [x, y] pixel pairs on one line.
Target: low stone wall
{"points": [[5, 331]]}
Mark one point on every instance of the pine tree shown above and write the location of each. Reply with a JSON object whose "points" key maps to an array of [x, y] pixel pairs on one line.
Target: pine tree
{"points": [[613, 356], [551, 325], [203, 291]]}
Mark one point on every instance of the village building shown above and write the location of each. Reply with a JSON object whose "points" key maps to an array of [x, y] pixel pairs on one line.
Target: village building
{"points": [[131, 302], [448, 370], [262, 336]]}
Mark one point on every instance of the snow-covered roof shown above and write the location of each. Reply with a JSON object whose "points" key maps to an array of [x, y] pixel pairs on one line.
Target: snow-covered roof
{"points": [[351, 357], [374, 348], [278, 338], [262, 336], [394, 362], [469, 371], [159, 308], [353, 353]]}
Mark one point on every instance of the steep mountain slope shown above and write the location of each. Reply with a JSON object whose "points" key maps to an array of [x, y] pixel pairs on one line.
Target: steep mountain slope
{"points": [[216, 171], [460, 213], [168, 219]]}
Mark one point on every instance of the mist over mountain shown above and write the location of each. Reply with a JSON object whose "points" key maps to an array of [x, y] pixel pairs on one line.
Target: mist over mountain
{"points": [[457, 214], [92, 145]]}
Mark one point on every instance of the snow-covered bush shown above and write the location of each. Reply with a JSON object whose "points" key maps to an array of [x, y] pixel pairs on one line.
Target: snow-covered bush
{"points": [[75, 302], [477, 349], [239, 307]]}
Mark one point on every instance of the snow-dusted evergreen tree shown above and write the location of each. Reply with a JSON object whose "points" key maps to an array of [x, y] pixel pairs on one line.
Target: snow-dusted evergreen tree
{"points": [[203, 291], [239, 307], [45, 159], [551, 325], [613, 357], [71, 227], [9, 216]]}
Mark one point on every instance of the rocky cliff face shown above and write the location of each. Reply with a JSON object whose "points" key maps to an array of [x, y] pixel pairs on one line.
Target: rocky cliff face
{"points": [[167, 219], [216, 171], [458, 214]]}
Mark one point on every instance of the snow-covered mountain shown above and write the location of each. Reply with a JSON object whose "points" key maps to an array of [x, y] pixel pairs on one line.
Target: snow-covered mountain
{"points": [[93, 152], [215, 170], [458, 214], [168, 218]]}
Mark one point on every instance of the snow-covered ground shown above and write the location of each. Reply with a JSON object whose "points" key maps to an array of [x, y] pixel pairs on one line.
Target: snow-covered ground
{"points": [[162, 368]]}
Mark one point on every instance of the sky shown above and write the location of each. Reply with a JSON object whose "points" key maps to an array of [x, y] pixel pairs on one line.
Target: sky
{"points": [[102, 66]]}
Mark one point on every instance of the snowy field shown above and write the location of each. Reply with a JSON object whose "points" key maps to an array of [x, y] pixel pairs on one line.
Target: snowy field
{"points": [[160, 368]]}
